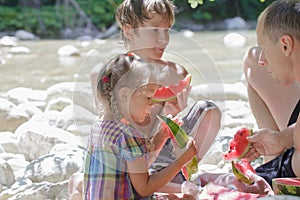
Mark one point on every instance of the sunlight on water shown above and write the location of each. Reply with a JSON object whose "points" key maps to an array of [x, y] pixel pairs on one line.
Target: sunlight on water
{"points": [[42, 67]]}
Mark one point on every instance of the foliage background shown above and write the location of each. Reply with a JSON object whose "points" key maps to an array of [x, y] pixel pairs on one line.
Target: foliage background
{"points": [[47, 18]]}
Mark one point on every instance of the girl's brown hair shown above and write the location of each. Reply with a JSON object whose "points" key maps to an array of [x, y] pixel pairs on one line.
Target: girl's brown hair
{"points": [[109, 76]]}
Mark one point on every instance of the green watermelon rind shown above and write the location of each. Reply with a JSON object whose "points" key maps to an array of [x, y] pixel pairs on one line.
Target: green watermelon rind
{"points": [[192, 166], [282, 189], [163, 99], [179, 134], [240, 176], [181, 139]]}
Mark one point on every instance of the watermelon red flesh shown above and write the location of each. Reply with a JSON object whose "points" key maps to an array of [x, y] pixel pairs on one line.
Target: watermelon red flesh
{"points": [[167, 93], [240, 168], [213, 191], [239, 145], [289, 181]]}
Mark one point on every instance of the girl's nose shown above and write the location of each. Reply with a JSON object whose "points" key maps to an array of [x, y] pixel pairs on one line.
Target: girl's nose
{"points": [[262, 61]]}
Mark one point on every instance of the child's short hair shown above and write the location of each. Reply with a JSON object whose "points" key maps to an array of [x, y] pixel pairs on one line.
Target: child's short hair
{"points": [[135, 12]]}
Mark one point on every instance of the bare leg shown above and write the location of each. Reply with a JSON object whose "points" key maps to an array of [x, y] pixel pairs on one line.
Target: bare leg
{"points": [[203, 123], [75, 186]]}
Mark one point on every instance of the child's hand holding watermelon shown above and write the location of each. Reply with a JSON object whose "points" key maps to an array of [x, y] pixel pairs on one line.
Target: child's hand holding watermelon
{"points": [[259, 186], [181, 140], [174, 96]]}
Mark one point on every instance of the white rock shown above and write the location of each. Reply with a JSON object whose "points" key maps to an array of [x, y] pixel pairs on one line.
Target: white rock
{"points": [[8, 41], [9, 142], [234, 40], [83, 96], [11, 116], [36, 138], [75, 115], [16, 161], [30, 108], [68, 50], [18, 95], [7, 177], [38, 191], [82, 131], [79, 92], [61, 162], [22, 95], [235, 23], [25, 35], [19, 50], [58, 104], [59, 90]]}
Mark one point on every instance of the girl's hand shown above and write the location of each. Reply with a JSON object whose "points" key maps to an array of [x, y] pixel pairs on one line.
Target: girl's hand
{"points": [[229, 180], [190, 151], [165, 129], [260, 185]]}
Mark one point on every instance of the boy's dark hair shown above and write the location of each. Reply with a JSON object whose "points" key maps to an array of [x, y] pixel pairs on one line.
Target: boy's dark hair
{"points": [[282, 17], [135, 12]]}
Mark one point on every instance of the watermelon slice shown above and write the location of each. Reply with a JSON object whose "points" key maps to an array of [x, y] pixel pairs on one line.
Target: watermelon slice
{"points": [[167, 93], [214, 191], [239, 169], [179, 136], [239, 145], [286, 186]]}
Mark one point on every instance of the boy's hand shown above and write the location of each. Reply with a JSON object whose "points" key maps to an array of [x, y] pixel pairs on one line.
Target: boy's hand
{"points": [[173, 107], [182, 97]]}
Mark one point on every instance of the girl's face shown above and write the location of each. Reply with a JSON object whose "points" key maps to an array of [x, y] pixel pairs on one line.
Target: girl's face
{"points": [[141, 102], [150, 40]]}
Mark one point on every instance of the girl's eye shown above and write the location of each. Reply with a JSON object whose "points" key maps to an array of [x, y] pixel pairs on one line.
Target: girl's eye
{"points": [[155, 30]]}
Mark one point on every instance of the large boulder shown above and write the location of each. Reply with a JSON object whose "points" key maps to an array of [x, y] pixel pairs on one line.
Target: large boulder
{"points": [[11, 116], [57, 166], [37, 138], [7, 177]]}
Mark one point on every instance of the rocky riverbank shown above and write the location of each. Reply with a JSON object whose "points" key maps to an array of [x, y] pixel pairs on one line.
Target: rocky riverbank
{"points": [[43, 136]]}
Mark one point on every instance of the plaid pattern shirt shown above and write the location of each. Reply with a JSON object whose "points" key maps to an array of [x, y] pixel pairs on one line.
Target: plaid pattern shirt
{"points": [[110, 145]]}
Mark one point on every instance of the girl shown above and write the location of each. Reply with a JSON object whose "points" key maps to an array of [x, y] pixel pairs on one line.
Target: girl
{"points": [[118, 152]]}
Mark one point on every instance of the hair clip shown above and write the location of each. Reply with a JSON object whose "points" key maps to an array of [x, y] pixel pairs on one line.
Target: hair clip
{"points": [[130, 54], [105, 79]]}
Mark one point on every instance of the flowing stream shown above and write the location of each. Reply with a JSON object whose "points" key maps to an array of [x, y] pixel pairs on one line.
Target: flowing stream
{"points": [[202, 53]]}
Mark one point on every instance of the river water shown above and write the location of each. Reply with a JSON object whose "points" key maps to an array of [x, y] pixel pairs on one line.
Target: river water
{"points": [[203, 54]]}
